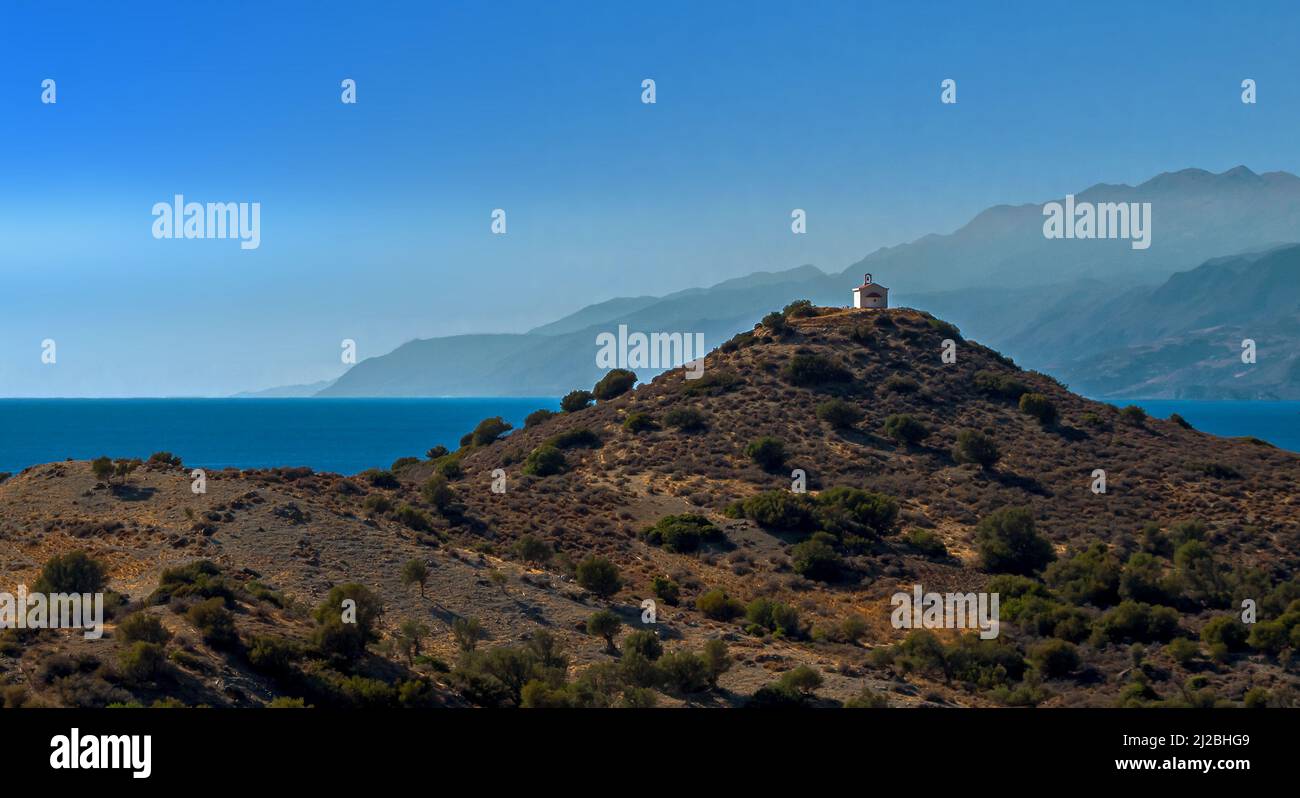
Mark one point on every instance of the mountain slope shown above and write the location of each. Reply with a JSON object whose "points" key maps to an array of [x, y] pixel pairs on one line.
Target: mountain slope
{"points": [[1195, 215], [1182, 339], [553, 359]]}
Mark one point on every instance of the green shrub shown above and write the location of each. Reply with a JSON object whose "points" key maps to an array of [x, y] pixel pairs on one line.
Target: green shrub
{"points": [[1054, 658], [1090, 576], [839, 413], [600, 576], [214, 622], [577, 400], [200, 578], [795, 688], [489, 430], [905, 429], [644, 643], [682, 533], [714, 383], [274, 655], [867, 699], [380, 479], [437, 492], [716, 604], [773, 616], [163, 459], [403, 462], [638, 422], [74, 572], [775, 322], [666, 590], [685, 672], [534, 550], [605, 624], [1226, 631], [1133, 415], [346, 621], [1255, 698], [799, 309], [1007, 542], [1040, 407], [816, 559], [142, 662], [377, 504], [582, 438], [686, 419], [974, 446], [717, 660], [142, 627], [1135, 622], [415, 572], [1001, 386], [1199, 574], [436, 452], [449, 467], [414, 518], [926, 543], [537, 417], [102, 468], [768, 452], [778, 509], [1270, 637], [813, 370], [1039, 614], [845, 511], [544, 461], [1143, 579], [615, 383], [1183, 651], [982, 663]]}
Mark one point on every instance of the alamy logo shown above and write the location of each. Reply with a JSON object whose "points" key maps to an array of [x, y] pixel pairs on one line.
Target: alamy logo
{"points": [[921, 610], [181, 219], [95, 752], [1130, 220], [53, 611], [654, 351]]}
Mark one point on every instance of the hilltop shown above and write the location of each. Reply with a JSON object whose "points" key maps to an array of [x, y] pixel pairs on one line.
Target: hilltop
{"points": [[972, 475]]}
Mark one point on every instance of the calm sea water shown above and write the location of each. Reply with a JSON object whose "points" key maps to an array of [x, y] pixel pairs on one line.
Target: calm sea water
{"points": [[351, 435], [342, 435], [1276, 422]]}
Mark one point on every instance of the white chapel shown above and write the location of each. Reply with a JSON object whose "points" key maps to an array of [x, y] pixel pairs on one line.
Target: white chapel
{"points": [[870, 295]]}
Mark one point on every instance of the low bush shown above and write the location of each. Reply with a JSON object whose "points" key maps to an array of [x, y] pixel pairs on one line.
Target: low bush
{"points": [[974, 446], [614, 384], [905, 429], [682, 533]]}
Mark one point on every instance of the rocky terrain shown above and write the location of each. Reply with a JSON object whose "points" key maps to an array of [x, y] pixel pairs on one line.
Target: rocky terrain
{"points": [[959, 474]]}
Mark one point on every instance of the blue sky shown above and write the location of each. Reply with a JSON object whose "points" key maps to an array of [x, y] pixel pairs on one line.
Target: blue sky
{"points": [[375, 216]]}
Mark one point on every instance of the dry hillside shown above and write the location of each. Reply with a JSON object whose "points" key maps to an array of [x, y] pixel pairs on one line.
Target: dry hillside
{"points": [[1124, 597]]}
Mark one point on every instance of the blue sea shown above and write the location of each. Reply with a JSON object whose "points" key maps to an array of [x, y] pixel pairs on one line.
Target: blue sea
{"points": [[351, 435], [1276, 422], [342, 435]]}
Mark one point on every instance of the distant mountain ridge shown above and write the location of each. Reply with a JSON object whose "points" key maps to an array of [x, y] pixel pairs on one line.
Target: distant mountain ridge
{"points": [[997, 277], [1196, 215]]}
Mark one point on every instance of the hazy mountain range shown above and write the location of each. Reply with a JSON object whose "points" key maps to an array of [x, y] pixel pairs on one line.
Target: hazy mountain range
{"points": [[1110, 320]]}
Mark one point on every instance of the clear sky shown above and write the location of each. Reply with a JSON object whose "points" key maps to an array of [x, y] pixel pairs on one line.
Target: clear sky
{"points": [[375, 221]]}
